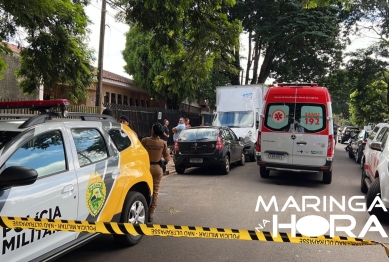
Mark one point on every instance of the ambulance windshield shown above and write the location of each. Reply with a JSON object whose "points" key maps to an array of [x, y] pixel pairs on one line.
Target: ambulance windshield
{"points": [[235, 119]]}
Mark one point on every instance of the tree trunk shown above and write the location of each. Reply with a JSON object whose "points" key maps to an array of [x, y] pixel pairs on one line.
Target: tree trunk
{"points": [[249, 60], [256, 56], [267, 63], [235, 78]]}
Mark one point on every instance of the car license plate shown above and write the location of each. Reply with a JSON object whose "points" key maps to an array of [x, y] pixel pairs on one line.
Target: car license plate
{"points": [[275, 156], [196, 160]]}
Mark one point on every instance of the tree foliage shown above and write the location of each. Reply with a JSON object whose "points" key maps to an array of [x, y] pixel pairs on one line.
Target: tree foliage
{"points": [[56, 54], [194, 39], [145, 66], [368, 105], [340, 87]]}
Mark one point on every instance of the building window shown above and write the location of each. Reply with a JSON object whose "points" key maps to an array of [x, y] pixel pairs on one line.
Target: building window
{"points": [[136, 102], [142, 103], [120, 99], [131, 101], [113, 98], [106, 97], [125, 101], [147, 103]]}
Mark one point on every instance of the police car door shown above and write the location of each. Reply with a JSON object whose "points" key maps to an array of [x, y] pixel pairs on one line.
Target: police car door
{"points": [[54, 194], [97, 170]]}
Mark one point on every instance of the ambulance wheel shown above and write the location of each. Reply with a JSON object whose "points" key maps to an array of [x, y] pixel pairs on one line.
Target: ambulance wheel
{"points": [[374, 190], [180, 169], [225, 169], [135, 211], [264, 172], [327, 177]]}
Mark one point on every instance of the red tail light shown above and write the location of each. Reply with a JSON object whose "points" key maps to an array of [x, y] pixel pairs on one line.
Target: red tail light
{"points": [[259, 141], [364, 141], [176, 148], [219, 144], [330, 150]]}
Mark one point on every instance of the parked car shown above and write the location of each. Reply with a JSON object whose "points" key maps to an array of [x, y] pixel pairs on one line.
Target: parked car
{"points": [[208, 146], [87, 168], [375, 176], [358, 146], [345, 135]]}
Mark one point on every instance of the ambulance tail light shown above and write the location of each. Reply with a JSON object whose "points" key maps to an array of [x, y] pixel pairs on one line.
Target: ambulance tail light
{"points": [[330, 150], [176, 148], [259, 142], [219, 144]]}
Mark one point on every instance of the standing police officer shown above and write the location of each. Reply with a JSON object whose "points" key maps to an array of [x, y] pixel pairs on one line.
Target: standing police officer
{"points": [[156, 148]]}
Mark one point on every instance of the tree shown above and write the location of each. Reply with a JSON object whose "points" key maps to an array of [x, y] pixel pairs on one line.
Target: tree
{"points": [[340, 87], [56, 54], [145, 65], [372, 107], [195, 38]]}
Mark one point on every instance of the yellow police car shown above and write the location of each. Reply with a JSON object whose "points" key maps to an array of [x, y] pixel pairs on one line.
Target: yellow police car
{"points": [[74, 166]]}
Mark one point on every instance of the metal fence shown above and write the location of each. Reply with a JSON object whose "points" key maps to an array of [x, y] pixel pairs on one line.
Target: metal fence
{"points": [[142, 118]]}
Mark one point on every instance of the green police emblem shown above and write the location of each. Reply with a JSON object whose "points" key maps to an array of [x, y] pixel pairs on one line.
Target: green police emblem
{"points": [[95, 194]]}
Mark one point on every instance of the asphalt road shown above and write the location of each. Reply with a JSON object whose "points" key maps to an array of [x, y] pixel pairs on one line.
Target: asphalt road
{"points": [[203, 197]]}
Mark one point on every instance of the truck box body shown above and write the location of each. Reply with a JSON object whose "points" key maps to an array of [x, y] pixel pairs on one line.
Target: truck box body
{"points": [[238, 107]]}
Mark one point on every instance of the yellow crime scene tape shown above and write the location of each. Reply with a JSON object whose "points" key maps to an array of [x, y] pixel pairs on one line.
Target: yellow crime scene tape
{"points": [[179, 231]]}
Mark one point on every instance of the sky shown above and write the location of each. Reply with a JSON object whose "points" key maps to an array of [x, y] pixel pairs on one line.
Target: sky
{"points": [[115, 39]]}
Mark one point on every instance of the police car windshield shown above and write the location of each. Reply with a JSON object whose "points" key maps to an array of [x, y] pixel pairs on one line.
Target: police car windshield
{"points": [[6, 136], [235, 119]]}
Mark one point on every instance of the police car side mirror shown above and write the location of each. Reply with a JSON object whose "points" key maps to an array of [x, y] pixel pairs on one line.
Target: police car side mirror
{"points": [[376, 146], [17, 176]]}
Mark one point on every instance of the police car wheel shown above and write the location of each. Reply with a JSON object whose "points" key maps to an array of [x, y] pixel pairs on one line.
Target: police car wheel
{"points": [[135, 211], [374, 190]]}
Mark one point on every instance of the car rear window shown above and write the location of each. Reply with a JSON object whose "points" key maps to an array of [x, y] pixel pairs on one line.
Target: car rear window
{"points": [[203, 134], [299, 117]]}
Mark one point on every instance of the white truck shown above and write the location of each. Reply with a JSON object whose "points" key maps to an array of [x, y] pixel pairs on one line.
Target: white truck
{"points": [[239, 107]]}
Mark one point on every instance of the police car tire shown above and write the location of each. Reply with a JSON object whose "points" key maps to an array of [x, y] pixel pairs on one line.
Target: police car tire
{"points": [[265, 173], [374, 189], [327, 177], [225, 168], [363, 183], [242, 160], [131, 240]]}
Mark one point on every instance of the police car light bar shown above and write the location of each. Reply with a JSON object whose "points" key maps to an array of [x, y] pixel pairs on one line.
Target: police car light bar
{"points": [[35, 104]]}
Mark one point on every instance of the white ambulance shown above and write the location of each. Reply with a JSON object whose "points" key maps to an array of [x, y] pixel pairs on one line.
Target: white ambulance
{"points": [[296, 130]]}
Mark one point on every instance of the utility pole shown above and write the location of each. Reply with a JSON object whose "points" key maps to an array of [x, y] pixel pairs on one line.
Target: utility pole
{"points": [[99, 87]]}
